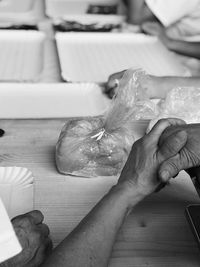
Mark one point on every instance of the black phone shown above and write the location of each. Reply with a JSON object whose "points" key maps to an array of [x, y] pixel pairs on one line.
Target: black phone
{"points": [[193, 215]]}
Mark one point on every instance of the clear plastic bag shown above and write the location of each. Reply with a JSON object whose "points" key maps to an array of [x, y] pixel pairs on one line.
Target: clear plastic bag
{"points": [[182, 103], [100, 146]]}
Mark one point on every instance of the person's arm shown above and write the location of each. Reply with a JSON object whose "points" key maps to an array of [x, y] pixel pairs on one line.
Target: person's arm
{"points": [[190, 49], [138, 12], [156, 87], [90, 244]]}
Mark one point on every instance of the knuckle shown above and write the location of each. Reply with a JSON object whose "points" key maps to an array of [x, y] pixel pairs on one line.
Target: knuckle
{"points": [[25, 221], [39, 213]]}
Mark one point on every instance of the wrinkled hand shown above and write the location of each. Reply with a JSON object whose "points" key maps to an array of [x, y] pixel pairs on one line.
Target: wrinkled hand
{"points": [[152, 84], [140, 170], [33, 236], [113, 82], [187, 158]]}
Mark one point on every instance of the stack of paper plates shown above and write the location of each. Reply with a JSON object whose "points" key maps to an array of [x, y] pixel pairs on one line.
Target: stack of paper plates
{"points": [[16, 190]]}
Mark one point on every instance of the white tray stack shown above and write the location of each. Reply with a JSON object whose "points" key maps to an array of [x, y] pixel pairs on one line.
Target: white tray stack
{"points": [[21, 55], [23, 11], [16, 190]]}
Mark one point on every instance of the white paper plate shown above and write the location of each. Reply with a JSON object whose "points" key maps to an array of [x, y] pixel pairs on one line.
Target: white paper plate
{"points": [[94, 56], [59, 100], [21, 55], [16, 190]]}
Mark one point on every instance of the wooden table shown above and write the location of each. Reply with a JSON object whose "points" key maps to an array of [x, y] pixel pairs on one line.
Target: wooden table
{"points": [[155, 234]]}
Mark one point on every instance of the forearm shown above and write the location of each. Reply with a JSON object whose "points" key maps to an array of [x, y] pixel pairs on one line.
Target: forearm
{"points": [[138, 11], [190, 49], [91, 242]]}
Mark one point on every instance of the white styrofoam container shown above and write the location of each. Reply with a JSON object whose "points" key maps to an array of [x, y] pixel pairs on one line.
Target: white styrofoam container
{"points": [[15, 6], [21, 55], [94, 56], [21, 11], [51, 100], [60, 8]]}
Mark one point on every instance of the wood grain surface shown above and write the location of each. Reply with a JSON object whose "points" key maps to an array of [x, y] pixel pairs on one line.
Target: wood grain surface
{"points": [[155, 234]]}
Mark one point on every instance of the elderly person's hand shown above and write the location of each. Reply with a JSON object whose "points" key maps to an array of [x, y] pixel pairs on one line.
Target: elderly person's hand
{"points": [[113, 83], [33, 236], [140, 170], [156, 87], [187, 158]]}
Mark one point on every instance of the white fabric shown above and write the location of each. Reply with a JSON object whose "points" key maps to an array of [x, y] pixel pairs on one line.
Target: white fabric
{"points": [[9, 244], [181, 17]]}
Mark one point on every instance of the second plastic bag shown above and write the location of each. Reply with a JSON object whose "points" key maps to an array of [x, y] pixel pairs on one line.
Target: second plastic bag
{"points": [[100, 146], [182, 103]]}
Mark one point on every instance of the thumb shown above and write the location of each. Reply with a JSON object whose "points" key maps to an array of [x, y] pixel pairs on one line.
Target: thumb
{"points": [[113, 81], [171, 167], [172, 145]]}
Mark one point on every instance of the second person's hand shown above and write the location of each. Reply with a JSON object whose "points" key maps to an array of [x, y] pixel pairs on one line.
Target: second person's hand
{"points": [[187, 158], [140, 170]]}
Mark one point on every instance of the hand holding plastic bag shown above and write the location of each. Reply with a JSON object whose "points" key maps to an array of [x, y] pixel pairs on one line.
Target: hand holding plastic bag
{"points": [[100, 146]]}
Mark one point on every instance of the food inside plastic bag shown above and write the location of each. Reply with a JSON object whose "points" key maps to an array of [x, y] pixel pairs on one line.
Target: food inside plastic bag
{"points": [[100, 146], [182, 103]]}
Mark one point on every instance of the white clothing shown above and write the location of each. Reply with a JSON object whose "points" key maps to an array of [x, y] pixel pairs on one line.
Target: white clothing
{"points": [[180, 17], [9, 244]]}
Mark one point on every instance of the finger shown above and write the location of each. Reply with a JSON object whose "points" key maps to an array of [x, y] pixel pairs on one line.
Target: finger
{"points": [[113, 81], [35, 216], [160, 126], [172, 167], [172, 145], [43, 229], [43, 252]]}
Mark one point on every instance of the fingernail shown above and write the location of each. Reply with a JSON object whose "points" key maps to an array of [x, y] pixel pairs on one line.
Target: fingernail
{"points": [[165, 175]]}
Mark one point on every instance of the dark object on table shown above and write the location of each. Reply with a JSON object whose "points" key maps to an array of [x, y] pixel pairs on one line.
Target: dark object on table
{"points": [[19, 27], [193, 217], [2, 132], [67, 26], [102, 9]]}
